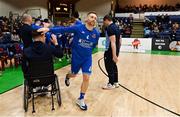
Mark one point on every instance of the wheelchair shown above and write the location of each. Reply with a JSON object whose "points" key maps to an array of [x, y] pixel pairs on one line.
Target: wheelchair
{"points": [[40, 73]]}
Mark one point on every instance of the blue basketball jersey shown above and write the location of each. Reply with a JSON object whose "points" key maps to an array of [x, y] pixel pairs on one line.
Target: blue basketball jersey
{"points": [[84, 40]]}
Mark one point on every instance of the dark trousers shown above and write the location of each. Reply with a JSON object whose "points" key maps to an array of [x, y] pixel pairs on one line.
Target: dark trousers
{"points": [[111, 68]]}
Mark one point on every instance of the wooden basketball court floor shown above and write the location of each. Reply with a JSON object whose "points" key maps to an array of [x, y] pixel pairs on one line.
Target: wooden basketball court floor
{"points": [[156, 77]]}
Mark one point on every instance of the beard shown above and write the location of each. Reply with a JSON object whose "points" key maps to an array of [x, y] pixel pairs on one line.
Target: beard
{"points": [[92, 23]]}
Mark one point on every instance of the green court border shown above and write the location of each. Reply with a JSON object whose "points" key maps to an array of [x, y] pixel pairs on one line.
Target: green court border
{"points": [[153, 52], [13, 77]]}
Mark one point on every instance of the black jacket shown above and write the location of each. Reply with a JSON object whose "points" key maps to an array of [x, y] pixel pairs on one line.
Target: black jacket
{"points": [[40, 51], [26, 35]]}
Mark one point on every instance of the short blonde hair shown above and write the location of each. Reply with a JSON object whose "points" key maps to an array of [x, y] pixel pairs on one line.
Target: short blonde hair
{"points": [[25, 17]]}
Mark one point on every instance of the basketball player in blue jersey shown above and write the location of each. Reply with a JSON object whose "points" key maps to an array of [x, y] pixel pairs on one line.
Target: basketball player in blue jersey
{"points": [[85, 39]]}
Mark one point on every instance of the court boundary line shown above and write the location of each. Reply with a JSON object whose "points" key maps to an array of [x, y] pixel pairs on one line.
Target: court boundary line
{"points": [[164, 108]]}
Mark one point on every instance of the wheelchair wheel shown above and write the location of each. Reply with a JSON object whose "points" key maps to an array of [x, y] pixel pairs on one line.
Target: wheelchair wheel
{"points": [[58, 94], [26, 95]]}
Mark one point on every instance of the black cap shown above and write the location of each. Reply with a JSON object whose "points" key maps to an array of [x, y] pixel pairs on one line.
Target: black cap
{"points": [[46, 21], [37, 19]]}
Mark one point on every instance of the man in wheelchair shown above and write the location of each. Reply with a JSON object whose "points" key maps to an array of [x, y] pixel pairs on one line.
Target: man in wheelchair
{"points": [[38, 68]]}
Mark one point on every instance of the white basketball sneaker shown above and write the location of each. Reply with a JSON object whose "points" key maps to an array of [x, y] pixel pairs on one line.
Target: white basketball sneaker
{"points": [[116, 85], [108, 87], [81, 104]]}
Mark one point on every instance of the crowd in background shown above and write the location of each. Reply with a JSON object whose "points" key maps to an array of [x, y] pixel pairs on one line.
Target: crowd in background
{"points": [[8, 31], [125, 25], [148, 8], [11, 45], [161, 26]]}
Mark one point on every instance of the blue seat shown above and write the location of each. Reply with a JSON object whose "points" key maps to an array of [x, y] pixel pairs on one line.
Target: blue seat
{"points": [[152, 18], [177, 38]]}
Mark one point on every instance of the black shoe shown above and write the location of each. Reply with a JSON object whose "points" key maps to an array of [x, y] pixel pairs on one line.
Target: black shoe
{"points": [[67, 81]]}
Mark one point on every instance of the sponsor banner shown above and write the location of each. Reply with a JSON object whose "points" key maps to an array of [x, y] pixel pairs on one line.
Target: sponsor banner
{"points": [[102, 42], [161, 13], [130, 44], [123, 14], [160, 44], [135, 16], [136, 44], [174, 46]]}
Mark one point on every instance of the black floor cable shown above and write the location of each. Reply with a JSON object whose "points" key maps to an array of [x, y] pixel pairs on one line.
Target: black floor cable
{"points": [[138, 94]]}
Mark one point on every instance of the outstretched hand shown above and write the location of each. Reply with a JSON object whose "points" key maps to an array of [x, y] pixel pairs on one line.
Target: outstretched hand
{"points": [[54, 39], [44, 30]]}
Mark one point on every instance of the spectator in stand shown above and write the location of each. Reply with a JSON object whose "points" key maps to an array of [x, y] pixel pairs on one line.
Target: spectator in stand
{"points": [[147, 32], [166, 18], [156, 29], [15, 37], [148, 8]]}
